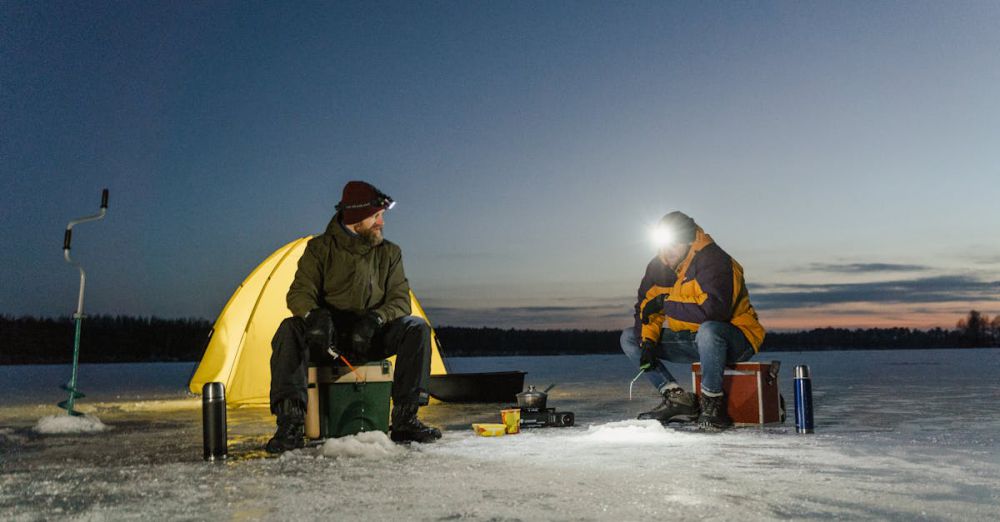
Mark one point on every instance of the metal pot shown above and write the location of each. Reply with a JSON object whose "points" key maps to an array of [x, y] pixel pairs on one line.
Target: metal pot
{"points": [[533, 398]]}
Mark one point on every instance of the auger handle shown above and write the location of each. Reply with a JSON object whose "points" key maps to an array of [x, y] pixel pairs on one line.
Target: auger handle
{"points": [[68, 236]]}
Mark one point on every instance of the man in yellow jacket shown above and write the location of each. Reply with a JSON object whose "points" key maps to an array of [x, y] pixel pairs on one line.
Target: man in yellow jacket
{"points": [[692, 305]]}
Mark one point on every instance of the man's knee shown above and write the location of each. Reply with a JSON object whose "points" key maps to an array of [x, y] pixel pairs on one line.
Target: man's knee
{"points": [[292, 325], [415, 326], [415, 332], [712, 330], [711, 337], [288, 333], [628, 341]]}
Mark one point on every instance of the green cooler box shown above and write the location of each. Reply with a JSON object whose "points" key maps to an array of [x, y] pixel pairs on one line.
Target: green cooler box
{"points": [[353, 402]]}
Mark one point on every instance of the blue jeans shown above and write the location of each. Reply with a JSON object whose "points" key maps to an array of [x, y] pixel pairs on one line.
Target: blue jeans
{"points": [[715, 345]]}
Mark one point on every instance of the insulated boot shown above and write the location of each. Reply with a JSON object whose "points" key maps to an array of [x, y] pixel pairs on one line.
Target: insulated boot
{"points": [[677, 406], [406, 427], [291, 427], [713, 414]]}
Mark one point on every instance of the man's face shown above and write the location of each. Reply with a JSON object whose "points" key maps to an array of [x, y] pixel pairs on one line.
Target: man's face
{"points": [[672, 254], [370, 228]]}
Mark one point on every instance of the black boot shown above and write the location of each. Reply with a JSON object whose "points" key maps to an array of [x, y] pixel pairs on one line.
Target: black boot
{"points": [[677, 406], [713, 414], [291, 427], [406, 427]]}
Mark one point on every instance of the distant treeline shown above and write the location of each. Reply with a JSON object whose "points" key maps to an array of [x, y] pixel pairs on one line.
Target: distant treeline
{"points": [[495, 341], [29, 340]]}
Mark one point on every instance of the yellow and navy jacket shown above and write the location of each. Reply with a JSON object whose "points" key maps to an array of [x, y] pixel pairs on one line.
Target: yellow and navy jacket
{"points": [[708, 285], [658, 279]]}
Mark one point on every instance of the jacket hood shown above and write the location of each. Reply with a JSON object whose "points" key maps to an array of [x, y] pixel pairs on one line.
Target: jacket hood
{"points": [[701, 240], [344, 239]]}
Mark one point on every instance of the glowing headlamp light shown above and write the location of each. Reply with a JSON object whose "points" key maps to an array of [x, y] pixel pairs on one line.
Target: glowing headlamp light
{"points": [[662, 236]]}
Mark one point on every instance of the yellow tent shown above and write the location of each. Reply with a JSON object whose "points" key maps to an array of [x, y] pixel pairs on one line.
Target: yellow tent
{"points": [[239, 350]]}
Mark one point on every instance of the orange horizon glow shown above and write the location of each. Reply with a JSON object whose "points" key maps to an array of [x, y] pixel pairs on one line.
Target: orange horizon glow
{"points": [[852, 316]]}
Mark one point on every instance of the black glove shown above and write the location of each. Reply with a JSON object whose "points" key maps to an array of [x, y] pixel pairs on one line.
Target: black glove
{"points": [[647, 358], [364, 330], [653, 306], [319, 329]]}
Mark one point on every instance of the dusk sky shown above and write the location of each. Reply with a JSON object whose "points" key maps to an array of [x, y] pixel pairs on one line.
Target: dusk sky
{"points": [[847, 154]]}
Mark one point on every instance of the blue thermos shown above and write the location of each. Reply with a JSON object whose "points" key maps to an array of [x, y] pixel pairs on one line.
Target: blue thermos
{"points": [[803, 400]]}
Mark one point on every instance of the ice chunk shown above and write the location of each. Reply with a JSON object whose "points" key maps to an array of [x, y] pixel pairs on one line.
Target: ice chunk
{"points": [[69, 424], [369, 445]]}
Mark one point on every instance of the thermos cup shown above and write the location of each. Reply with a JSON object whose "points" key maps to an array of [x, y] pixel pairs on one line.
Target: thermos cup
{"points": [[803, 400], [213, 420]]}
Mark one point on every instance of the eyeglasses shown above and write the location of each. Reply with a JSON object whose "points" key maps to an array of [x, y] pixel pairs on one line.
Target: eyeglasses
{"points": [[381, 200]]}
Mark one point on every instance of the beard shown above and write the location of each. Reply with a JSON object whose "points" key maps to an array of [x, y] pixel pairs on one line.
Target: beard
{"points": [[371, 235]]}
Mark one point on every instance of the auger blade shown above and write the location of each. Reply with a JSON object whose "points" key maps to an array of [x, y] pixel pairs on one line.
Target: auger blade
{"points": [[73, 391], [69, 409]]}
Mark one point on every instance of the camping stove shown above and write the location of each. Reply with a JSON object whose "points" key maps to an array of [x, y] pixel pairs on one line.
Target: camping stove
{"points": [[545, 417]]}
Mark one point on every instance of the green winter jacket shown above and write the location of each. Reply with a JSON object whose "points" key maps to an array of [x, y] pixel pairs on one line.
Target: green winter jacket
{"points": [[346, 273]]}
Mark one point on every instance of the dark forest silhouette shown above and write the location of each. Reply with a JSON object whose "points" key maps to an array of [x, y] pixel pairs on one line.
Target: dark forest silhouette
{"points": [[29, 340]]}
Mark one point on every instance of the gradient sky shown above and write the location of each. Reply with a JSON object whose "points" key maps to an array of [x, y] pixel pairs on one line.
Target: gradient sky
{"points": [[846, 153]]}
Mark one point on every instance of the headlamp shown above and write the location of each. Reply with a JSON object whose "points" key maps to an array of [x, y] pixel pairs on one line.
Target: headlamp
{"points": [[662, 236], [381, 200]]}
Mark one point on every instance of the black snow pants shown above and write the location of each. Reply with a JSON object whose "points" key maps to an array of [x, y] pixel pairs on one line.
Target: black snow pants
{"points": [[408, 338]]}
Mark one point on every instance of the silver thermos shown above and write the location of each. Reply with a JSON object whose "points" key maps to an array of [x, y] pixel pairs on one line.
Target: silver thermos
{"points": [[213, 420]]}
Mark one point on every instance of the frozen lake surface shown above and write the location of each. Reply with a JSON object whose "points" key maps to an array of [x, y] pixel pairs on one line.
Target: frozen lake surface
{"points": [[899, 436]]}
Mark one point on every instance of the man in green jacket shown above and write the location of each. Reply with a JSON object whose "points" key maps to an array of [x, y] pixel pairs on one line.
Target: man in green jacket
{"points": [[350, 297]]}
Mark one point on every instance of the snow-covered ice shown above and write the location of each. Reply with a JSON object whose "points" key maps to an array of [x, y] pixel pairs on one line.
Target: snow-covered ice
{"points": [[899, 436]]}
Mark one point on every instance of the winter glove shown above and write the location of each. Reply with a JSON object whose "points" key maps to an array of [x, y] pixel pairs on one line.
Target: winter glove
{"points": [[653, 306], [319, 329], [647, 357], [364, 331]]}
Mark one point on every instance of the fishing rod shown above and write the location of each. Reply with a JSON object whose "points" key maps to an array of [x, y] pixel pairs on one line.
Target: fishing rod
{"points": [[70, 387]]}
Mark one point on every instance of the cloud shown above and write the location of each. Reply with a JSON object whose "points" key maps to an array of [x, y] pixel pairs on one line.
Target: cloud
{"points": [[921, 290], [986, 259], [864, 268]]}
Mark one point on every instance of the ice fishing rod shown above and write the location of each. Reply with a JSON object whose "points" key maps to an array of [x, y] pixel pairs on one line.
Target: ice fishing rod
{"points": [[78, 316]]}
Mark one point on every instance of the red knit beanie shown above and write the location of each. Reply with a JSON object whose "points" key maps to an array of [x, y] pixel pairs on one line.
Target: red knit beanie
{"points": [[361, 200]]}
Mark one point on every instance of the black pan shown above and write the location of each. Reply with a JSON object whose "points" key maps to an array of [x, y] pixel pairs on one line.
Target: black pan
{"points": [[477, 387]]}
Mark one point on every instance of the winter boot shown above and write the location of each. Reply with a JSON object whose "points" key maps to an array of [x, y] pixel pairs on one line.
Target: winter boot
{"points": [[406, 427], [291, 427], [677, 406], [713, 413]]}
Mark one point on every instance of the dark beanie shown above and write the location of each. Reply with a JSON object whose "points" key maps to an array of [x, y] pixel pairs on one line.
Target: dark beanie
{"points": [[683, 227], [359, 201]]}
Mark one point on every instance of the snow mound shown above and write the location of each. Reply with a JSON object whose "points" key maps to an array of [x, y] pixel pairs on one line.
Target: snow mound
{"points": [[368, 445], [69, 424], [632, 432]]}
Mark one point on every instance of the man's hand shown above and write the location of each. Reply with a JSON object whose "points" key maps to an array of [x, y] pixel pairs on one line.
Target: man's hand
{"points": [[653, 306], [647, 358], [364, 331], [319, 329]]}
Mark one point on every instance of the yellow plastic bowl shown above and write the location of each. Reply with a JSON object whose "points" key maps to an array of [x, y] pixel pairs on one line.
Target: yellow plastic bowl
{"points": [[490, 430]]}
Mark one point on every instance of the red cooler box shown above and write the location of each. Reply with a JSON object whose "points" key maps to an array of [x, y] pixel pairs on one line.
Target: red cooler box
{"points": [[752, 395]]}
